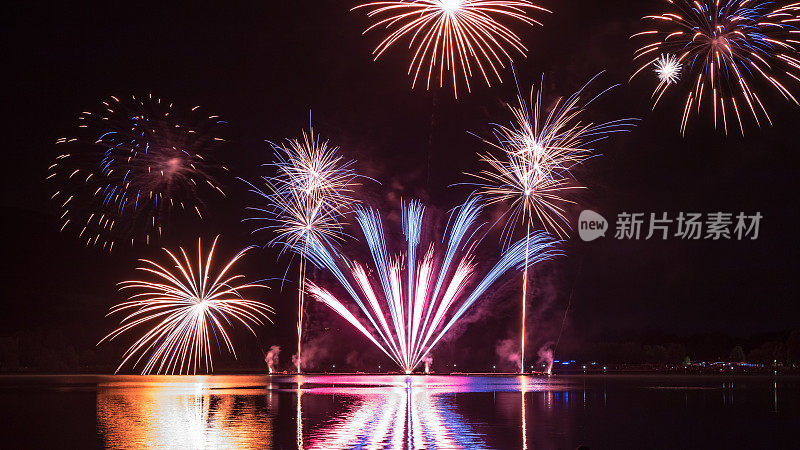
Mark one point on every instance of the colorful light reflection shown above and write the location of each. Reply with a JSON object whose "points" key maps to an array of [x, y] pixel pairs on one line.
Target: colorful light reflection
{"points": [[398, 417], [181, 415]]}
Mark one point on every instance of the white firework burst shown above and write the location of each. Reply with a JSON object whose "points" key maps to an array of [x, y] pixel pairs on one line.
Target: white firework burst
{"points": [[668, 69]]}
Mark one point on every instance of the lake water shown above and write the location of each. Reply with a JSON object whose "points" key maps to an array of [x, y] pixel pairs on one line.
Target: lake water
{"points": [[358, 411]]}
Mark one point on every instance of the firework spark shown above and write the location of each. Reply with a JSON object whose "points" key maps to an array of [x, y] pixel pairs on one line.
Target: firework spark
{"points": [[456, 36], [442, 284], [533, 172], [305, 201], [668, 69], [134, 161], [186, 310], [729, 49]]}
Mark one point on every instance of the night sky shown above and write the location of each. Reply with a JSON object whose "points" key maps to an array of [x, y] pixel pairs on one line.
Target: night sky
{"points": [[265, 66]]}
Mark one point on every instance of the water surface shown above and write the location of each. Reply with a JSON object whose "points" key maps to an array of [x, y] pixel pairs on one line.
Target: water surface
{"points": [[359, 411]]}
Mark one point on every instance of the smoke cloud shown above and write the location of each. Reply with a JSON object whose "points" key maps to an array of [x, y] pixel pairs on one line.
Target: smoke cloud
{"points": [[545, 354], [428, 362], [508, 352], [271, 358], [316, 353]]}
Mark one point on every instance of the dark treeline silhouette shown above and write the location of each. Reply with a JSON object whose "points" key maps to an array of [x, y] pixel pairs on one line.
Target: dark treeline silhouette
{"points": [[770, 349], [71, 347], [70, 350]]}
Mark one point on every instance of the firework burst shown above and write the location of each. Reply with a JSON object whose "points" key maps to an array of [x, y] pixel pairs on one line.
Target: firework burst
{"points": [[533, 171], [460, 37], [187, 310], [305, 199], [729, 50], [312, 167], [304, 202], [441, 285], [532, 158], [133, 162], [668, 69]]}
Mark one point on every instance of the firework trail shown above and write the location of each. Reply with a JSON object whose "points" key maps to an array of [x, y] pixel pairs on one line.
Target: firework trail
{"points": [[185, 309], [460, 37], [729, 49], [304, 202], [530, 169], [132, 162], [442, 281]]}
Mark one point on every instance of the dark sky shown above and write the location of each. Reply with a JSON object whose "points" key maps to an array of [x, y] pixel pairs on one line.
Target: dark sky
{"points": [[264, 65]]}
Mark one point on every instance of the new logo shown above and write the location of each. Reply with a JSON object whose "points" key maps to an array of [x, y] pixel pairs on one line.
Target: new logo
{"points": [[591, 225]]}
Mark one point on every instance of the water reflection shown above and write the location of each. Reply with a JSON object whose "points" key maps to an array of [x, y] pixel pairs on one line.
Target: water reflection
{"points": [[775, 396], [397, 417], [299, 414], [340, 411], [181, 415], [445, 412], [523, 389]]}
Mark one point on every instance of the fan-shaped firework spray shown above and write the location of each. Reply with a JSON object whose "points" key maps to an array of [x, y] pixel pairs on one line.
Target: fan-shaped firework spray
{"points": [[442, 282]]}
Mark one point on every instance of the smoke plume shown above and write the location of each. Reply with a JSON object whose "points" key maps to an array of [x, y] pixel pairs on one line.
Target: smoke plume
{"points": [[545, 355], [428, 361], [508, 352], [271, 358]]}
